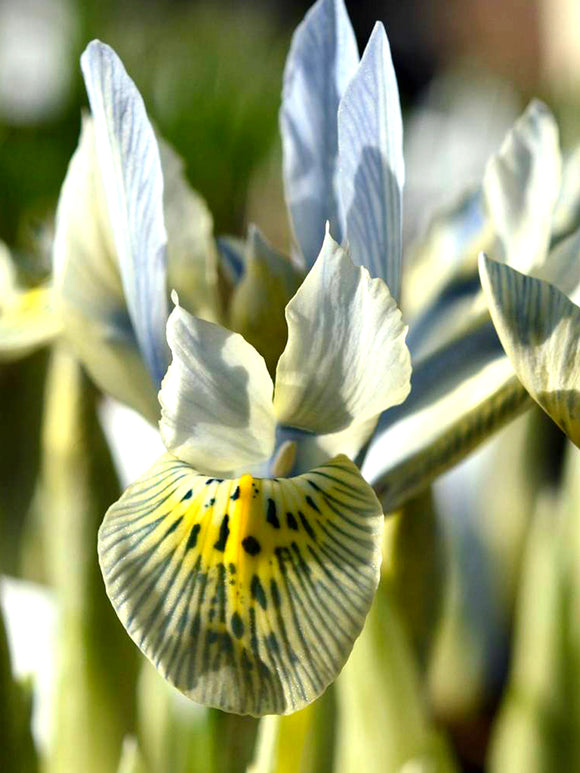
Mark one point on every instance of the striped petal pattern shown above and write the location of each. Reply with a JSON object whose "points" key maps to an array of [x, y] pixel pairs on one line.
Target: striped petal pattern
{"points": [[88, 289], [131, 169], [371, 168], [247, 594], [539, 328], [462, 393], [322, 60]]}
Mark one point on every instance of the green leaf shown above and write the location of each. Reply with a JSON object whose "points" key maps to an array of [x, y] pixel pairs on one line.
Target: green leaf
{"points": [[96, 671], [382, 720]]}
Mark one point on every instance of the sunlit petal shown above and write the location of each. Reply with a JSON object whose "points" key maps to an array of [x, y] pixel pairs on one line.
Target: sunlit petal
{"points": [[131, 170], [191, 251], [247, 594], [322, 60], [88, 289], [461, 394], [539, 328], [216, 398], [371, 167], [346, 359]]}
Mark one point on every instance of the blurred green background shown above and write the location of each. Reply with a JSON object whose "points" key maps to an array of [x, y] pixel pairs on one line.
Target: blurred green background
{"points": [[211, 73]]}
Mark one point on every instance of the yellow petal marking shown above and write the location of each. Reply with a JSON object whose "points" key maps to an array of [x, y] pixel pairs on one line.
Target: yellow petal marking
{"points": [[27, 320], [246, 594]]}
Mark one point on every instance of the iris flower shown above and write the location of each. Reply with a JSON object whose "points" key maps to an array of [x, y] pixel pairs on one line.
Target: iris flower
{"points": [[247, 461], [244, 562], [247, 588], [533, 300], [250, 463]]}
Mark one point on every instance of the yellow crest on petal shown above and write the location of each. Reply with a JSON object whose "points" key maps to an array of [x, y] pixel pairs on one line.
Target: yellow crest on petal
{"points": [[247, 594]]}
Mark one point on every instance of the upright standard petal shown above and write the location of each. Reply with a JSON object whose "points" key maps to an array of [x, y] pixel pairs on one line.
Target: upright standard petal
{"points": [[539, 328], [521, 187], [246, 594], [133, 182], [346, 359], [371, 170], [216, 399], [322, 60], [87, 286]]}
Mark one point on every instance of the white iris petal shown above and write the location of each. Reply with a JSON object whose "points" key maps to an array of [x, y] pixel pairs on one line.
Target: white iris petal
{"points": [[131, 168], [216, 399], [346, 360]]}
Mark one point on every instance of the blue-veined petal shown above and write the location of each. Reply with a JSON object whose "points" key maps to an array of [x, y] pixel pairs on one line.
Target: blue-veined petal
{"points": [[371, 170], [346, 359], [247, 594], [539, 328], [87, 285], [258, 301], [462, 393], [521, 187], [322, 60], [133, 182], [216, 399]]}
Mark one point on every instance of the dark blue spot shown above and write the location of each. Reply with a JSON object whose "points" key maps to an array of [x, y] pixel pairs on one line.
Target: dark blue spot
{"points": [[272, 642], [251, 545], [224, 534], [291, 521], [192, 539], [257, 591], [271, 517], [173, 526], [312, 504], [307, 527], [275, 593], [237, 625]]}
